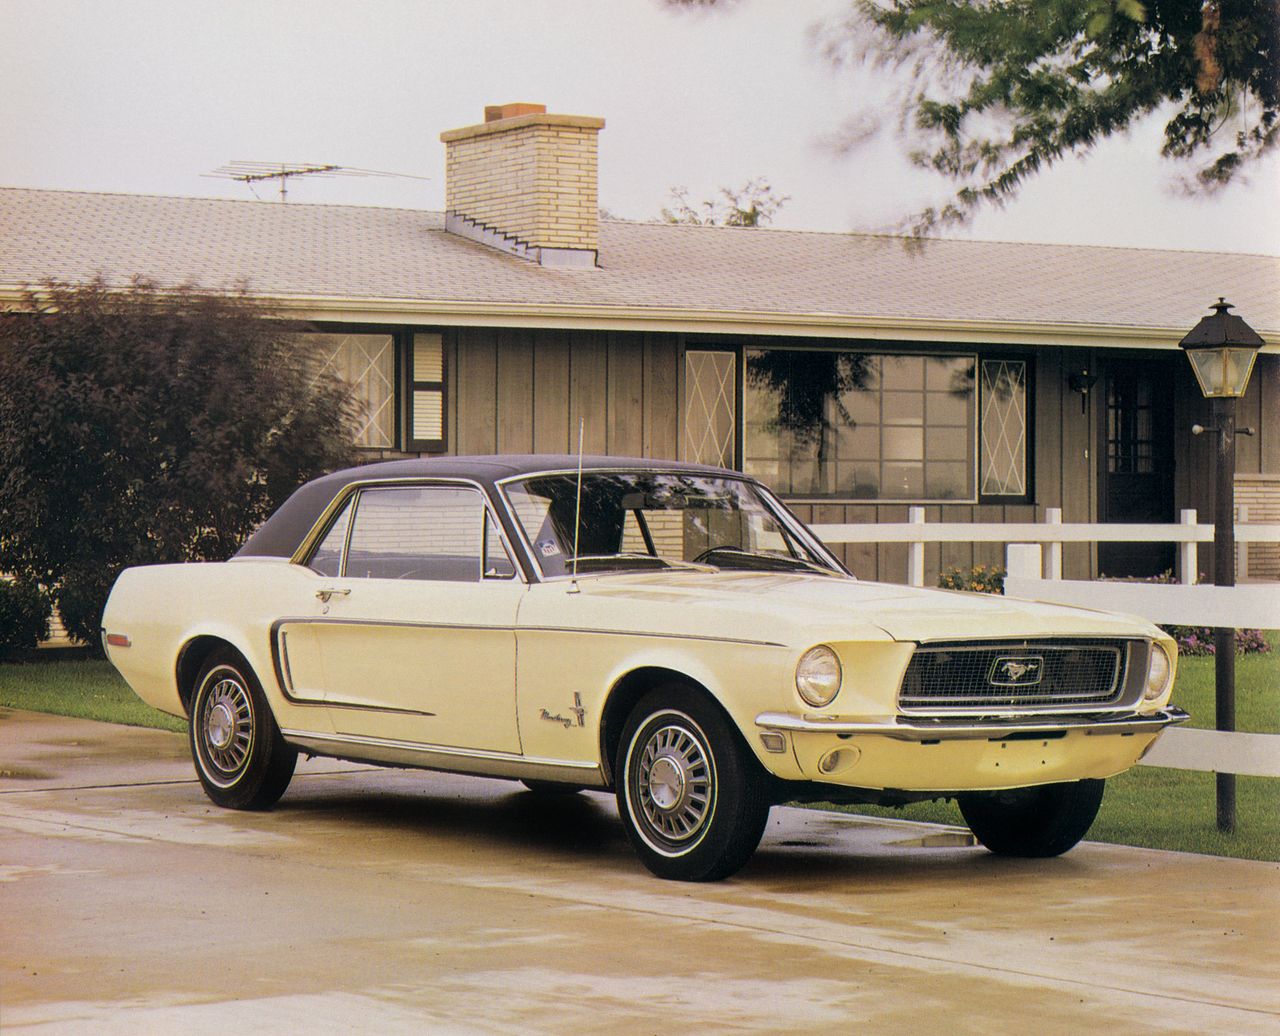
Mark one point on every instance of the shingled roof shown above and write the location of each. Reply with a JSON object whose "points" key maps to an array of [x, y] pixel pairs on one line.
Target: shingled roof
{"points": [[350, 262]]}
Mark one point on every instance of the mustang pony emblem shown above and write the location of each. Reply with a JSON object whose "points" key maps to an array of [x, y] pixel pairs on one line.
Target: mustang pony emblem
{"points": [[1019, 671]]}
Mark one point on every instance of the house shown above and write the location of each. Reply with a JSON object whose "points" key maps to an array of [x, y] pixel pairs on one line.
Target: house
{"points": [[854, 373]]}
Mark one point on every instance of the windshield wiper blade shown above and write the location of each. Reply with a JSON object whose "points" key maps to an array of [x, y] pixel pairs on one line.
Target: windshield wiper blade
{"points": [[737, 557], [624, 559]]}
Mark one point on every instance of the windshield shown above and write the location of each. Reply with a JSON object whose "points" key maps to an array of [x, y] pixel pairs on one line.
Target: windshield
{"points": [[643, 520]]}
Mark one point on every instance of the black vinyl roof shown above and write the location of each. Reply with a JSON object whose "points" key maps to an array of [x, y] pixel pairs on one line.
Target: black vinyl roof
{"points": [[281, 534]]}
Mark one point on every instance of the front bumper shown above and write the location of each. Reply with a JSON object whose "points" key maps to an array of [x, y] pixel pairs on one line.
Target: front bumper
{"points": [[956, 753], [976, 728]]}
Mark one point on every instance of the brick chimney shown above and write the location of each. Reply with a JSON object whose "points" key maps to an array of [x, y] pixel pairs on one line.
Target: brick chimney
{"points": [[525, 182]]}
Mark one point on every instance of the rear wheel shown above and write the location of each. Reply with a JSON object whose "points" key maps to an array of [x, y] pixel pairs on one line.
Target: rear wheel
{"points": [[688, 791], [1046, 820], [240, 757]]}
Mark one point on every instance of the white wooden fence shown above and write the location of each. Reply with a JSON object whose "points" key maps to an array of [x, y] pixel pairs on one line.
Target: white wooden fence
{"points": [[1052, 533], [1033, 556]]}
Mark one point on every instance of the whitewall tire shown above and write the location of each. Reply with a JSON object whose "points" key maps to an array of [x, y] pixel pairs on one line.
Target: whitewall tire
{"points": [[689, 791], [239, 755]]}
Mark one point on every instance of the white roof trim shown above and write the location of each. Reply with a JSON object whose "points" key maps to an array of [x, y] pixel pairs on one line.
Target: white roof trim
{"points": [[614, 318]]}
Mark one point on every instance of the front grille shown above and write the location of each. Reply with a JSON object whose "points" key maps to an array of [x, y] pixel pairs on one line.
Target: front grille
{"points": [[1014, 674]]}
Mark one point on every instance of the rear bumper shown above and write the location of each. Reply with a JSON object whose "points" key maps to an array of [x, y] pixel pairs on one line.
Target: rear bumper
{"points": [[977, 728]]}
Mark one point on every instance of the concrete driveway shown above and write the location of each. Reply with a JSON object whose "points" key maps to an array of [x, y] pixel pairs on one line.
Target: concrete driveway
{"points": [[388, 901]]}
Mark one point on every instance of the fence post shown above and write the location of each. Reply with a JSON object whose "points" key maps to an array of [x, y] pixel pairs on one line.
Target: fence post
{"points": [[915, 550], [1022, 560], [1188, 552], [1053, 551]]}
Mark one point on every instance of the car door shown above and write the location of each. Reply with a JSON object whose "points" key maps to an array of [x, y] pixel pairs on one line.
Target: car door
{"points": [[414, 640]]}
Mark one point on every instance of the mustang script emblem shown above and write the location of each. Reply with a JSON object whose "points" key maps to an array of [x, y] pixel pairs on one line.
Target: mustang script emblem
{"points": [[579, 713], [1020, 671]]}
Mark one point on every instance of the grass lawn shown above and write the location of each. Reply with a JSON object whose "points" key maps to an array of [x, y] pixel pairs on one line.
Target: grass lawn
{"points": [[88, 689], [1257, 690], [1148, 806]]}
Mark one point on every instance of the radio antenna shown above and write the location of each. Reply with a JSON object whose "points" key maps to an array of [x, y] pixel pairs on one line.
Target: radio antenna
{"points": [[577, 507], [249, 173]]}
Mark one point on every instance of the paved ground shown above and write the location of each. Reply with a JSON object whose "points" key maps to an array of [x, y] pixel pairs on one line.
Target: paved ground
{"points": [[377, 900]]}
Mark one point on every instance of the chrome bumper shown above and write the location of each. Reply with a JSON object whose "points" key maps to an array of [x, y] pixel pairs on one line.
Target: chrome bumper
{"points": [[977, 728]]}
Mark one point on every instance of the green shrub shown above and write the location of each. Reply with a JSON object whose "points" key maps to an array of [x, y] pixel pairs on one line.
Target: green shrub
{"points": [[24, 615], [153, 425], [82, 595], [981, 579]]}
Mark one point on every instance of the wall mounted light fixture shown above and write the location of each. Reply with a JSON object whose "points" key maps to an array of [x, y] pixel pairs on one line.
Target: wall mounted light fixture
{"points": [[1082, 381]]}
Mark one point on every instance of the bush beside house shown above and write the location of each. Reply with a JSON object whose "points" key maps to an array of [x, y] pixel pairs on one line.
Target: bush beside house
{"points": [[151, 426], [24, 615]]}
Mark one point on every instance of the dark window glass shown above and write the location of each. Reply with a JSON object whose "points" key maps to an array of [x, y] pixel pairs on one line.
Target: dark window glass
{"points": [[497, 562], [421, 532], [650, 520], [861, 425], [327, 557], [1130, 427]]}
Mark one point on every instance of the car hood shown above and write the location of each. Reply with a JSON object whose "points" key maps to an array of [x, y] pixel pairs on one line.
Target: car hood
{"points": [[820, 602]]}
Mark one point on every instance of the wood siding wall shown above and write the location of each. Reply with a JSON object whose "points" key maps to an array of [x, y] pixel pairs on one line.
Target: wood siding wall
{"points": [[515, 391], [523, 391]]}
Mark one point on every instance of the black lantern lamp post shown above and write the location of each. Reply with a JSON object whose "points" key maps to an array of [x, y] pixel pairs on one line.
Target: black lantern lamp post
{"points": [[1222, 348]]}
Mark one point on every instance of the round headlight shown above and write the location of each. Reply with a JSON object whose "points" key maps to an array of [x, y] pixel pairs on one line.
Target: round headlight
{"points": [[1158, 671], [818, 675]]}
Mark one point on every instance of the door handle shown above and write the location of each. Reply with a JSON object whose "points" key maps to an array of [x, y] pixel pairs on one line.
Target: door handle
{"points": [[332, 591]]}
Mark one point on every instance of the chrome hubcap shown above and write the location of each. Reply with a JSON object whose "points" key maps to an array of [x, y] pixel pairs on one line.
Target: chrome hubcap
{"points": [[666, 782], [221, 726], [228, 725], [674, 783]]}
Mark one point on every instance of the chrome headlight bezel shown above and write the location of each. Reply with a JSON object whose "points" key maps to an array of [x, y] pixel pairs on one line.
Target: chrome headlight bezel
{"points": [[819, 676], [1159, 672]]}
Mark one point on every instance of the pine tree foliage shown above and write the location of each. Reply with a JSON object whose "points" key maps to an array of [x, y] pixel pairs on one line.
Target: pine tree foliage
{"points": [[754, 204], [998, 91], [991, 92]]}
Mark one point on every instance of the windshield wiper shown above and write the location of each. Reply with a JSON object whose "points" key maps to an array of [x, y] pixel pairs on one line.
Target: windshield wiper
{"points": [[729, 556], [627, 559]]}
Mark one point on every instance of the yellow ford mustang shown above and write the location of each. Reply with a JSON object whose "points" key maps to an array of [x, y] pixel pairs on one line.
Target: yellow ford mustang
{"points": [[668, 631]]}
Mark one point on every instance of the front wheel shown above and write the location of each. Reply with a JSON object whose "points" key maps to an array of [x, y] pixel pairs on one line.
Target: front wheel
{"points": [[240, 757], [1046, 820], [688, 791]]}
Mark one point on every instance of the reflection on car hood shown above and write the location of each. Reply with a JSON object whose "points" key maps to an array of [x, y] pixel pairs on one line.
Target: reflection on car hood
{"points": [[903, 612]]}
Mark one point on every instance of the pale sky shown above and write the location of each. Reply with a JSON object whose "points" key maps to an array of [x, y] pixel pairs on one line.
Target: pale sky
{"points": [[143, 96]]}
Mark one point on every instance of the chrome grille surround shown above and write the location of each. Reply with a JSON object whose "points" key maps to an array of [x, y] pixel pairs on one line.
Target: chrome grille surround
{"points": [[1021, 677]]}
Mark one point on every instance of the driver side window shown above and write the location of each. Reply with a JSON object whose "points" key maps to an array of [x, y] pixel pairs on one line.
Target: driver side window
{"points": [[439, 533]]}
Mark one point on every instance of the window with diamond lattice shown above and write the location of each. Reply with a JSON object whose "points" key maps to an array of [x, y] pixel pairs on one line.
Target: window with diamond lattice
{"points": [[710, 407], [366, 363], [1004, 428]]}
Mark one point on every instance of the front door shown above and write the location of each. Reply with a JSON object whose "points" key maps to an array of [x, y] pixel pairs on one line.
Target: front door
{"points": [[415, 636], [1135, 484]]}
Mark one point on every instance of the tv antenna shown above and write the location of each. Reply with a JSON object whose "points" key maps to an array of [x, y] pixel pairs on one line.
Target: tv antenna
{"points": [[258, 172]]}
